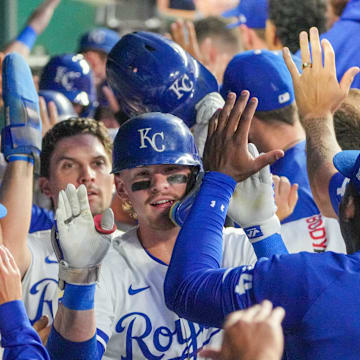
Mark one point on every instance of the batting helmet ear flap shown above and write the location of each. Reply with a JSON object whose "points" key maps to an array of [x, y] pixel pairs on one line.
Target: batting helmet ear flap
{"points": [[154, 139], [150, 73]]}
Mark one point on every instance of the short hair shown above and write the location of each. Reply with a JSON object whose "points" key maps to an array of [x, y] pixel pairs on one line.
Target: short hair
{"points": [[338, 6], [215, 27], [67, 128], [290, 17], [347, 122], [288, 114]]}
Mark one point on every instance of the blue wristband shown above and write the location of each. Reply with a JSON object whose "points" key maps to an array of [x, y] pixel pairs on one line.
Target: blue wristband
{"points": [[13, 158], [28, 37], [79, 297]]}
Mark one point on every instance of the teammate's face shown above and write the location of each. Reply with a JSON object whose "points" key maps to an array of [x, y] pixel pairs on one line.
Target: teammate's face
{"points": [[152, 190], [81, 159]]}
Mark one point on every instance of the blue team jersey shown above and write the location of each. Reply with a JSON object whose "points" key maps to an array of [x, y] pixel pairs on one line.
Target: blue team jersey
{"points": [[293, 166], [320, 292]]}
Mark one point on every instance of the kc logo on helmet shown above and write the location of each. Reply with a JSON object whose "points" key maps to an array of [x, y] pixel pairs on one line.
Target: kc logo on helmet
{"points": [[144, 139], [65, 78], [182, 86]]}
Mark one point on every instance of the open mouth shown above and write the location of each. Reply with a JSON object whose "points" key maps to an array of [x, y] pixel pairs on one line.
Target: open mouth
{"points": [[162, 203]]}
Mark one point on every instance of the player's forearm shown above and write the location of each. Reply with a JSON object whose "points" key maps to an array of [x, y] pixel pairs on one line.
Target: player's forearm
{"points": [[321, 146], [73, 335], [16, 195], [194, 278]]}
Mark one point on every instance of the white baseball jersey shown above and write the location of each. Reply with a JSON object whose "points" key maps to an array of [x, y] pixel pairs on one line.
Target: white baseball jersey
{"points": [[40, 283], [313, 234], [131, 315]]}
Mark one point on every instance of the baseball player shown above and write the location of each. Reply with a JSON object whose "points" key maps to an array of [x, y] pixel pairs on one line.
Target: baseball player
{"points": [[276, 125], [129, 318], [310, 287], [75, 151]]}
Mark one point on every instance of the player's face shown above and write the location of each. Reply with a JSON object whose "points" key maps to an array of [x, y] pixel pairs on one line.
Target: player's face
{"points": [[152, 190], [81, 159]]}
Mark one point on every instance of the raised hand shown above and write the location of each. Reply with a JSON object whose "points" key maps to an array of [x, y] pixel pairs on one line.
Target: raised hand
{"points": [[226, 149]]}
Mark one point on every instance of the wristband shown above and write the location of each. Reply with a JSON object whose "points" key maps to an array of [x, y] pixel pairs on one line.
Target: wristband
{"points": [[13, 158], [28, 37], [79, 297]]}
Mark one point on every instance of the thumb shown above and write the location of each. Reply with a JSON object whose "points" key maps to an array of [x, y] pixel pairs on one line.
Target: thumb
{"points": [[348, 78], [107, 219], [267, 159]]}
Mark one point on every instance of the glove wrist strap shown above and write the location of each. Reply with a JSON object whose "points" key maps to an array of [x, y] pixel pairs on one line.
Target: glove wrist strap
{"points": [[263, 230], [77, 276]]}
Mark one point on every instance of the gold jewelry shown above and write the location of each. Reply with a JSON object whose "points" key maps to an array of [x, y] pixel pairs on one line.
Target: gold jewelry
{"points": [[306, 65]]}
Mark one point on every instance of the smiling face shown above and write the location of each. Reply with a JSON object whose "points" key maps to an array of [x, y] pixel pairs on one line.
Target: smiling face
{"points": [[80, 159], [152, 190]]}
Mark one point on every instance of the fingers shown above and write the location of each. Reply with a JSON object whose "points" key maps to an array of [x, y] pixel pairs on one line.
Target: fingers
{"points": [[236, 113], [329, 56], [213, 123], [277, 315], [41, 323], [11, 262], [210, 354], [72, 196], [193, 41], [83, 198], [304, 47], [242, 132], [53, 119], [294, 72], [225, 112], [293, 196], [67, 207], [60, 211], [178, 33], [315, 48]]}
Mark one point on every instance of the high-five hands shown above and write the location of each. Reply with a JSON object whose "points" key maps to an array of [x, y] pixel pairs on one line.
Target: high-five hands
{"points": [[80, 246]]}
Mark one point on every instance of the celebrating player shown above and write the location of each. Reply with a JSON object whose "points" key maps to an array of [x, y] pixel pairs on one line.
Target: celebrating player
{"points": [[310, 287]]}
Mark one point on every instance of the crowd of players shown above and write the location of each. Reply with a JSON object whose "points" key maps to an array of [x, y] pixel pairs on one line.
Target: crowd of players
{"points": [[192, 195]]}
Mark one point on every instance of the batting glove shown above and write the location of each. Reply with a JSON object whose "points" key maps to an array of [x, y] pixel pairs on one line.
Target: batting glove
{"points": [[252, 205], [205, 109], [79, 245]]}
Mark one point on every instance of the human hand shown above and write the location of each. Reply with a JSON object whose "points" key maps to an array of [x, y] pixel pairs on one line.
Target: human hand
{"points": [[251, 334], [79, 245], [226, 148], [286, 196], [10, 277], [42, 328], [42, 15], [49, 115], [317, 91]]}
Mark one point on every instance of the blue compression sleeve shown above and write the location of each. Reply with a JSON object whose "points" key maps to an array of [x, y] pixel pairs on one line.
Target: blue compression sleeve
{"points": [[59, 348], [18, 337], [198, 250]]}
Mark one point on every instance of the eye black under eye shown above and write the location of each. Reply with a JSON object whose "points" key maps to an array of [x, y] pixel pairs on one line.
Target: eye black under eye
{"points": [[140, 185]]}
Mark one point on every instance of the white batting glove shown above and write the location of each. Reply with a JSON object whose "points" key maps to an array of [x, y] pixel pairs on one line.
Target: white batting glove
{"points": [[79, 245], [252, 205], [205, 109]]}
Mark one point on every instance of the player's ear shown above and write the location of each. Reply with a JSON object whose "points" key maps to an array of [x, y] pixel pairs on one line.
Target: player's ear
{"points": [[45, 186], [120, 187]]}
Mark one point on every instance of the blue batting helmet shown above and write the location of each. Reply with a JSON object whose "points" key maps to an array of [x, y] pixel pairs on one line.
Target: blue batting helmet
{"points": [[154, 139], [99, 39], [63, 104], [148, 72], [71, 75]]}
